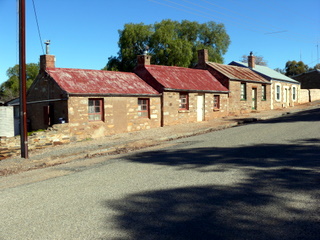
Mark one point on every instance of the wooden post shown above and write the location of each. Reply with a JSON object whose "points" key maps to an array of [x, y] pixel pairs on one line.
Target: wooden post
{"points": [[22, 78]]}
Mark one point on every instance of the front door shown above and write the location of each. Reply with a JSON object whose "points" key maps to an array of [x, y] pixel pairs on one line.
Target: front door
{"points": [[254, 99], [200, 107]]}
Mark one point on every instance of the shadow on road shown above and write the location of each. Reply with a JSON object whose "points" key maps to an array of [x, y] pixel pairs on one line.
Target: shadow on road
{"points": [[292, 166], [278, 199], [312, 115], [212, 212], [261, 207]]}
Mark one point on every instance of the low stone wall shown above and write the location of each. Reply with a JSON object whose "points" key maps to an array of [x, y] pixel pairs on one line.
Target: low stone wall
{"points": [[56, 135], [314, 94], [304, 96], [309, 95]]}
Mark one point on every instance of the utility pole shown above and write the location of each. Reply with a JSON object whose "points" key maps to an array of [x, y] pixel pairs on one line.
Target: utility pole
{"points": [[22, 79]]}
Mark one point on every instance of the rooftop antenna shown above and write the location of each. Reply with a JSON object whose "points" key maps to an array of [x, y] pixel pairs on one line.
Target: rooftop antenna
{"points": [[47, 43]]}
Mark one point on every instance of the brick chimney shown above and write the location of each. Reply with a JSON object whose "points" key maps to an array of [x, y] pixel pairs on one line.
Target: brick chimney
{"points": [[203, 58], [144, 60], [251, 60], [47, 60]]}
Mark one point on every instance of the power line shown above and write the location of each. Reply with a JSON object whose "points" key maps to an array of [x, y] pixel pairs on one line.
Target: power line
{"points": [[35, 14], [248, 25], [202, 14]]}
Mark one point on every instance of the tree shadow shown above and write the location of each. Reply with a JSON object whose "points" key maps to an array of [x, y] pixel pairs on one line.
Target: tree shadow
{"points": [[277, 199], [267, 204], [312, 115], [211, 212]]}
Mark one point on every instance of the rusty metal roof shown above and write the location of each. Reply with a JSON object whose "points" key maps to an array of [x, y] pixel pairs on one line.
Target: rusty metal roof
{"points": [[237, 73], [188, 79], [83, 81]]}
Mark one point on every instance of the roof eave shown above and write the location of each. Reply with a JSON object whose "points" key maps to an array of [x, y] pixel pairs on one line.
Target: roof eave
{"points": [[252, 81], [192, 90], [115, 94]]}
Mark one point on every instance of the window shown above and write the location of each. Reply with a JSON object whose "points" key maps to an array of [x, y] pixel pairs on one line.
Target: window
{"points": [[264, 92], [216, 102], [143, 107], [294, 93], [95, 109], [184, 101], [278, 92], [243, 93]]}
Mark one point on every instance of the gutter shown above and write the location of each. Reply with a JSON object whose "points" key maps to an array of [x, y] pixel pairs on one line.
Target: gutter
{"points": [[114, 95], [252, 81], [196, 91]]}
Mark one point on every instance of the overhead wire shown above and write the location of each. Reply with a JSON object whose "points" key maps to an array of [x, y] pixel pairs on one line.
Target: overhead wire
{"points": [[210, 16], [36, 17], [248, 25]]}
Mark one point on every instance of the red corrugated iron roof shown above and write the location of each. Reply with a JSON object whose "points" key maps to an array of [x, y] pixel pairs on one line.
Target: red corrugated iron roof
{"points": [[83, 81], [237, 73], [185, 78]]}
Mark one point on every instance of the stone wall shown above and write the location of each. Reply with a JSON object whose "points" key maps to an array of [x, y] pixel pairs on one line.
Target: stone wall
{"points": [[309, 95], [304, 96], [286, 94], [314, 94], [120, 115], [238, 106], [172, 115], [56, 135]]}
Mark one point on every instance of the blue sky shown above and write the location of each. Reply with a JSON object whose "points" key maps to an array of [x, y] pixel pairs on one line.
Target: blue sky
{"points": [[84, 34]]}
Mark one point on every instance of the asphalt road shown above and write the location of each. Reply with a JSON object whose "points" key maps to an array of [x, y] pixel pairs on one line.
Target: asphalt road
{"points": [[257, 181]]}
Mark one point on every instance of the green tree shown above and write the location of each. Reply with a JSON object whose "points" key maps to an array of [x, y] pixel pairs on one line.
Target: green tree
{"points": [[294, 68], [10, 88], [317, 66], [170, 43]]}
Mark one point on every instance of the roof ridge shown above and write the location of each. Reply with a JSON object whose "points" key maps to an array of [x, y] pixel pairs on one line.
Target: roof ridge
{"points": [[83, 69]]}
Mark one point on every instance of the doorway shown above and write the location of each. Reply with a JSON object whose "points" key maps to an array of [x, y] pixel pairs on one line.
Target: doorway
{"points": [[254, 99], [200, 107]]}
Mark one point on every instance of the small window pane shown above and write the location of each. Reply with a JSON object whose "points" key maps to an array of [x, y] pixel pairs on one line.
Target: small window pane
{"points": [[143, 108], [95, 109], [183, 101]]}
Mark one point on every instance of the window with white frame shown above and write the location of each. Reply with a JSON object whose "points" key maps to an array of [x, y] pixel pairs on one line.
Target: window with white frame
{"points": [[243, 91], [278, 92], [264, 93], [294, 93]]}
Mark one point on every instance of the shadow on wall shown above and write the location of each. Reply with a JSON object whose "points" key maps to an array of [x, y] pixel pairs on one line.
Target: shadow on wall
{"points": [[261, 207]]}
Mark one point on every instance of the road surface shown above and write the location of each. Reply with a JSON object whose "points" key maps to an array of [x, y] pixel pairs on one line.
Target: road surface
{"points": [[257, 181]]}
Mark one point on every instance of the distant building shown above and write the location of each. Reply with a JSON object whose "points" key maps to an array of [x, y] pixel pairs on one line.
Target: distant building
{"points": [[309, 80], [284, 90]]}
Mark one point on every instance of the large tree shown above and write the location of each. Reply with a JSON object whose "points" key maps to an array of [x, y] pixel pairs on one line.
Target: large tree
{"points": [[170, 43], [294, 68], [10, 88]]}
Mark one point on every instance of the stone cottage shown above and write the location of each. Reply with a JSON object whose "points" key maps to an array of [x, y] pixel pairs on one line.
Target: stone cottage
{"points": [[188, 95], [248, 91], [284, 90], [93, 103]]}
